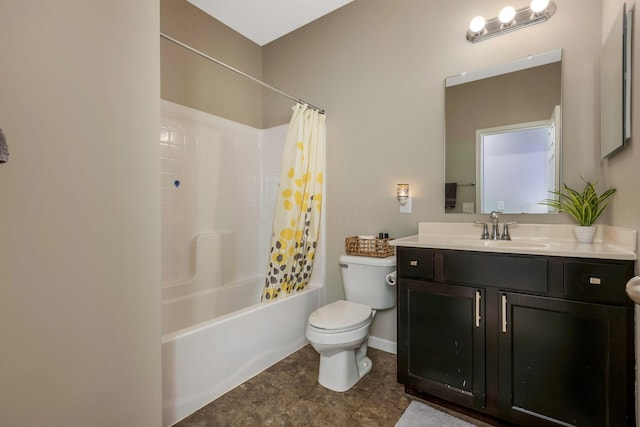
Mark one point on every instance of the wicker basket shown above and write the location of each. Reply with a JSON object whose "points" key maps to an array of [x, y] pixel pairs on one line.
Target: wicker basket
{"points": [[368, 247]]}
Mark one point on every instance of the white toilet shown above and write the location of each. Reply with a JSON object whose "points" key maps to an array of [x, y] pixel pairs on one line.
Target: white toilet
{"points": [[339, 331]]}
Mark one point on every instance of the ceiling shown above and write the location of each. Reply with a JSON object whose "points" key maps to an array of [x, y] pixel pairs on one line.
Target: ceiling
{"points": [[263, 21]]}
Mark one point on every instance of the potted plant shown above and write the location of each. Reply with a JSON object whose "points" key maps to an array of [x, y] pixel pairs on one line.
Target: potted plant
{"points": [[584, 207]]}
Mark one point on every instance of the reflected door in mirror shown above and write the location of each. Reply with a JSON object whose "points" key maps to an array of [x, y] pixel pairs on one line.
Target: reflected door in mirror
{"points": [[516, 167]]}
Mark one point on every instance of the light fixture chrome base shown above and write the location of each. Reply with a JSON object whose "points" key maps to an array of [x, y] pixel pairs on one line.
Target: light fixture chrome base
{"points": [[524, 18]]}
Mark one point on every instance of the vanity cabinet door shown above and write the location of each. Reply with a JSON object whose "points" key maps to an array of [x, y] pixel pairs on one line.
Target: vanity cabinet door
{"points": [[562, 362], [441, 339]]}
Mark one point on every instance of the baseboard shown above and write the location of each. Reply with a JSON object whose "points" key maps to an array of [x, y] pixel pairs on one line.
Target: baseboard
{"points": [[384, 345]]}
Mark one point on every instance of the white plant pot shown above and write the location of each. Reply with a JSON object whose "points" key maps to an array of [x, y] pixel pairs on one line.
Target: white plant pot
{"points": [[585, 234]]}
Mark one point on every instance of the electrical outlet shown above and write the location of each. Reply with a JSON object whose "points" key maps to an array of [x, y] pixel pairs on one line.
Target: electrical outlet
{"points": [[501, 205], [467, 207], [406, 208]]}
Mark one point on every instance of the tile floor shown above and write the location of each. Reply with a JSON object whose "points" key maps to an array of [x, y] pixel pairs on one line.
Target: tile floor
{"points": [[288, 394]]}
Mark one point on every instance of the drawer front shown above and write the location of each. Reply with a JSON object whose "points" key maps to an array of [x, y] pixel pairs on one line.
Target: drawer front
{"points": [[415, 263], [523, 273], [598, 281]]}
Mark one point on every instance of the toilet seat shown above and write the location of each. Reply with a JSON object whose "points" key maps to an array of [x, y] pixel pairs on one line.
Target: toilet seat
{"points": [[340, 316]]}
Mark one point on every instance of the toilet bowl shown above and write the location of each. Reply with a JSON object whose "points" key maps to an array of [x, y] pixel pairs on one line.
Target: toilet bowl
{"points": [[339, 331]]}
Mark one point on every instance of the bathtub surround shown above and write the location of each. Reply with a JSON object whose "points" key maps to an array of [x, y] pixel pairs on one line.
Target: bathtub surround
{"points": [[211, 262], [218, 189], [219, 182], [192, 309], [296, 222], [228, 178]]}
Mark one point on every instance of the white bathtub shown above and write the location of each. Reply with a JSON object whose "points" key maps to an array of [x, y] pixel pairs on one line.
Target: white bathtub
{"points": [[213, 290], [202, 362], [185, 311]]}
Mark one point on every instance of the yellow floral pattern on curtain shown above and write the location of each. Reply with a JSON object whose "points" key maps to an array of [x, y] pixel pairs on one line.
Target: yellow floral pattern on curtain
{"points": [[296, 222]]}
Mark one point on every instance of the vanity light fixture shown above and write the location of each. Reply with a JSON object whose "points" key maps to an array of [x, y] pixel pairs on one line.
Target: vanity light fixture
{"points": [[510, 19]]}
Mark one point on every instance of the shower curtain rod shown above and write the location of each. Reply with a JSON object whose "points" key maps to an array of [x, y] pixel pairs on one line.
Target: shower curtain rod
{"points": [[229, 67]]}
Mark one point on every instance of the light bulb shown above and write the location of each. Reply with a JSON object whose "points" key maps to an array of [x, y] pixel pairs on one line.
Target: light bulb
{"points": [[507, 14], [477, 24], [538, 6]]}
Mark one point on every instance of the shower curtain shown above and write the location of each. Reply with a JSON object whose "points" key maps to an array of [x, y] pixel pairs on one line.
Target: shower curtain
{"points": [[296, 222]]}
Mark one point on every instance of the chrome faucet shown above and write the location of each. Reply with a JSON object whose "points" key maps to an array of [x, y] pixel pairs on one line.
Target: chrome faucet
{"points": [[495, 232]]}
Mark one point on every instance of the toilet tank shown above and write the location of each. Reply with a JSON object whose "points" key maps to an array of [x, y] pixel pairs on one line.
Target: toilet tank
{"points": [[364, 280]]}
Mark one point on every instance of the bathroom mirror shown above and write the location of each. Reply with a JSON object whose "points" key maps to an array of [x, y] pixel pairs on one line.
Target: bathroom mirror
{"points": [[615, 86], [503, 136]]}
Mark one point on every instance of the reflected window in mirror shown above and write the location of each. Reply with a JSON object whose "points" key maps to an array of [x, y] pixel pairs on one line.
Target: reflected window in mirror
{"points": [[516, 176]]}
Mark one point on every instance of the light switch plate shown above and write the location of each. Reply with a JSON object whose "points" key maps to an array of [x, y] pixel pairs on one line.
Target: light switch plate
{"points": [[467, 207]]}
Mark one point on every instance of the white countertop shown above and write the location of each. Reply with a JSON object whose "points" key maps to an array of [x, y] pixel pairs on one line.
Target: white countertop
{"points": [[535, 239]]}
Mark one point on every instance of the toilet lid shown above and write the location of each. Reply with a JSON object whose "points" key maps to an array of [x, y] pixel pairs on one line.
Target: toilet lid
{"points": [[340, 315]]}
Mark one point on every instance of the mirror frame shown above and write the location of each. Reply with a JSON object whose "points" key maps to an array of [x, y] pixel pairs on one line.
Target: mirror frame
{"points": [[615, 85]]}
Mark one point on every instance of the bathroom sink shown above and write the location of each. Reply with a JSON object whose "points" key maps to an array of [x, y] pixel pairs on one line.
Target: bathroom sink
{"points": [[511, 244], [534, 239]]}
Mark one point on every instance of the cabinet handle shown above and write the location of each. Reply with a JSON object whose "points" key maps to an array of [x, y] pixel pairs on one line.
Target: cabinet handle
{"points": [[478, 317], [413, 263], [504, 314]]}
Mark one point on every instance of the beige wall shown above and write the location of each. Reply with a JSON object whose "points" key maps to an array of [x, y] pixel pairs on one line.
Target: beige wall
{"points": [[621, 170], [79, 234], [79, 217], [378, 67], [191, 80]]}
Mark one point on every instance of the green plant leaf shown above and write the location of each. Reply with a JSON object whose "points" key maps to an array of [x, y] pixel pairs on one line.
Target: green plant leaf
{"points": [[584, 207]]}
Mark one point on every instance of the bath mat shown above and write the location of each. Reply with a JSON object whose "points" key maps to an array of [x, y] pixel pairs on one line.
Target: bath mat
{"points": [[421, 415]]}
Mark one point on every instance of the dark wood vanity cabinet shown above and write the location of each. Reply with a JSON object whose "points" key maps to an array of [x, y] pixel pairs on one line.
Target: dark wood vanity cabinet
{"points": [[444, 355], [531, 340], [564, 362]]}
